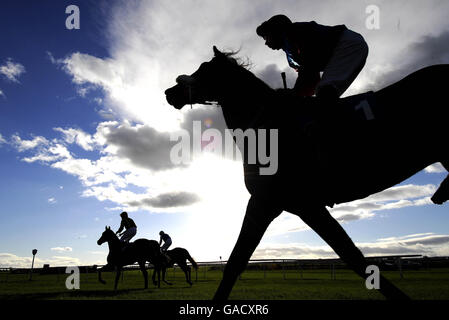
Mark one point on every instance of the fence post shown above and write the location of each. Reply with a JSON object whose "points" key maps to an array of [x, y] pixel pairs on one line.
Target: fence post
{"points": [[399, 261], [283, 270], [300, 270]]}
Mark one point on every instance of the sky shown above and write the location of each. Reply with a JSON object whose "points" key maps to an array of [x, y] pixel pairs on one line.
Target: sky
{"points": [[85, 127]]}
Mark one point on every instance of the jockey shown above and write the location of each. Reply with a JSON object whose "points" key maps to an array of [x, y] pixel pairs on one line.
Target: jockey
{"points": [[129, 225], [312, 48], [167, 241]]}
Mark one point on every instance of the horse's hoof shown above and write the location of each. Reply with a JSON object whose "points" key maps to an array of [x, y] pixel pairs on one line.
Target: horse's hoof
{"points": [[442, 193], [438, 199]]}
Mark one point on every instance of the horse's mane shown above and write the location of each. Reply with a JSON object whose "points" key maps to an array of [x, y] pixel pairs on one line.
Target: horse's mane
{"points": [[244, 63]]}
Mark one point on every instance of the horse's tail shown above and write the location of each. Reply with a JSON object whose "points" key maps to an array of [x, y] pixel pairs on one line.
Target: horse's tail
{"points": [[193, 262]]}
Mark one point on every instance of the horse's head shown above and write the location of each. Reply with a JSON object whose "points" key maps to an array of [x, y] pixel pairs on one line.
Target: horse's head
{"points": [[106, 236], [203, 85]]}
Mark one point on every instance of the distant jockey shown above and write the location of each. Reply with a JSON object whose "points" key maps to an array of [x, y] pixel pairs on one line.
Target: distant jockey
{"points": [[130, 228], [166, 239]]}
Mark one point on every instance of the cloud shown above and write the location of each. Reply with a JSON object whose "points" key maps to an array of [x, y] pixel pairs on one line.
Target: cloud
{"points": [[51, 200], [167, 200], [62, 249], [9, 260], [11, 70], [271, 75], [2, 94], [425, 51], [81, 138], [428, 244], [23, 145], [2, 140], [142, 145], [396, 197], [435, 168]]}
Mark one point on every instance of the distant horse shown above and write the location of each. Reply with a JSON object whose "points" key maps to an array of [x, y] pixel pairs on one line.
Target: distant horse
{"points": [[362, 145], [140, 251], [178, 256]]}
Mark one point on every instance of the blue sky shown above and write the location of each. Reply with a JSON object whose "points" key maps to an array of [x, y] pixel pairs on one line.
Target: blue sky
{"points": [[83, 120]]}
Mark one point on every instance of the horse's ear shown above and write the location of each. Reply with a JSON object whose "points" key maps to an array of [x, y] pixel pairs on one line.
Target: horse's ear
{"points": [[217, 52], [105, 227]]}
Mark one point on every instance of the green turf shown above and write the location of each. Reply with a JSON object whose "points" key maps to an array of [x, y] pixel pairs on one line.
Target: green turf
{"points": [[269, 285]]}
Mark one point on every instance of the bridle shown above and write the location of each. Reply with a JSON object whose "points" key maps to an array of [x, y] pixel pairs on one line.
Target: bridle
{"points": [[189, 82]]}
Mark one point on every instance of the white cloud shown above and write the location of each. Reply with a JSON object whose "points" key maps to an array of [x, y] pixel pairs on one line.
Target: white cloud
{"points": [[2, 94], [428, 244], [81, 138], [51, 200], [14, 261], [435, 168], [12, 70], [62, 249], [2, 140], [23, 145], [393, 198]]}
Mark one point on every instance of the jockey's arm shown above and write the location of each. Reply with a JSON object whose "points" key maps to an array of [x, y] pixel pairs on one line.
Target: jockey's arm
{"points": [[306, 82], [121, 228]]}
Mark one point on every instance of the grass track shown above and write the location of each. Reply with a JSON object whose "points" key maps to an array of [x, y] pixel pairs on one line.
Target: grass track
{"points": [[432, 284]]}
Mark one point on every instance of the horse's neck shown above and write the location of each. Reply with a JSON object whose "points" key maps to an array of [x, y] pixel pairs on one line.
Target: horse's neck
{"points": [[244, 100], [114, 245]]}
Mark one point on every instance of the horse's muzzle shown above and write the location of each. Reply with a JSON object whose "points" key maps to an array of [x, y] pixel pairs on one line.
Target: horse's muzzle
{"points": [[174, 96]]}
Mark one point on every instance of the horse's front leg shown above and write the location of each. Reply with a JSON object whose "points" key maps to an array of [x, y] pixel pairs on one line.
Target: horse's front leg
{"points": [[157, 269], [105, 268], [144, 273], [259, 214], [117, 276], [321, 221]]}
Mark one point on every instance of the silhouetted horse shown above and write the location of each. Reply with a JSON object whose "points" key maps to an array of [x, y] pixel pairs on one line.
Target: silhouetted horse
{"points": [[363, 145], [140, 251], [180, 257]]}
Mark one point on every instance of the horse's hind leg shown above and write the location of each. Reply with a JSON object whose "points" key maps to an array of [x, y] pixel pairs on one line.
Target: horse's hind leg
{"points": [[320, 220], [164, 272], [144, 273], [117, 277], [442, 193], [259, 214], [157, 269], [186, 269]]}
